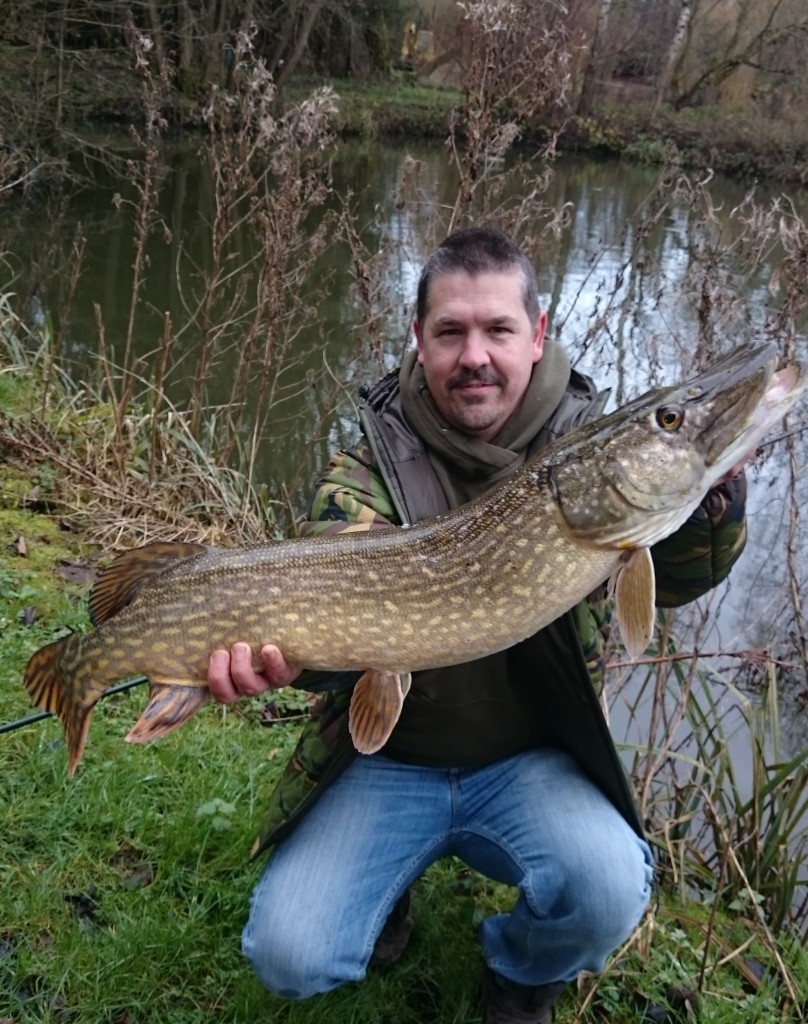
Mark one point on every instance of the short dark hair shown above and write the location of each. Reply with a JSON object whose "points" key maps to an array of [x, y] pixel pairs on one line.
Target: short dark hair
{"points": [[478, 251]]}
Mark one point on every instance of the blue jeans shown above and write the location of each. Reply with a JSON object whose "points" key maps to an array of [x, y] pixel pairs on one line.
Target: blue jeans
{"points": [[533, 821]]}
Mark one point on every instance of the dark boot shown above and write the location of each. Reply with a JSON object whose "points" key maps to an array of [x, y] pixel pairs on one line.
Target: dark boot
{"points": [[395, 935], [509, 1003]]}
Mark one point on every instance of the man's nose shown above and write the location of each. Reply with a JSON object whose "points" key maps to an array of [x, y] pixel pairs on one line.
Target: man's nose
{"points": [[475, 350]]}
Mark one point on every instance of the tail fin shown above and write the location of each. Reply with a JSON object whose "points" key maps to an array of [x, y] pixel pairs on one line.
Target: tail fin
{"points": [[50, 690]]}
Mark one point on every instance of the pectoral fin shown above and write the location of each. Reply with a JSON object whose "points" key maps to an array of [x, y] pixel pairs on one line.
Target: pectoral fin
{"points": [[634, 593], [375, 708], [170, 706]]}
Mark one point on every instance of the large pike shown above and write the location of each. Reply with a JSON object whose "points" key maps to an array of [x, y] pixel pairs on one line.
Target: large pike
{"points": [[485, 576]]}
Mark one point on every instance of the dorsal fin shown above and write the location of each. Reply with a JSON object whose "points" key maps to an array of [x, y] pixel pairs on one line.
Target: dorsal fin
{"points": [[117, 585]]}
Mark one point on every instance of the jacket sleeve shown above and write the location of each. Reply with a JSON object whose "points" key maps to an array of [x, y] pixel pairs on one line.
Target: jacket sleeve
{"points": [[702, 551], [350, 495]]}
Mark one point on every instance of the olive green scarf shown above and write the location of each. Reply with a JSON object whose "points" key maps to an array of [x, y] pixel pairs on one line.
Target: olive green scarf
{"points": [[465, 465]]}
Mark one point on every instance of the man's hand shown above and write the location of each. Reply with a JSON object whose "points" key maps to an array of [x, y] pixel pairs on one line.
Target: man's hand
{"points": [[231, 674]]}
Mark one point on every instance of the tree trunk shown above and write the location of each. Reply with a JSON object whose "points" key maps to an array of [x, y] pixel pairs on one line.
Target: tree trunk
{"points": [[156, 29], [596, 66], [675, 52], [186, 31], [300, 43]]}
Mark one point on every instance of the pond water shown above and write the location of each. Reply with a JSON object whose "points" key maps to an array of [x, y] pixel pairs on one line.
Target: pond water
{"points": [[623, 281]]}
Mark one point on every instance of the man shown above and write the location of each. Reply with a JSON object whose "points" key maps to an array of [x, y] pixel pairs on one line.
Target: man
{"points": [[505, 762]]}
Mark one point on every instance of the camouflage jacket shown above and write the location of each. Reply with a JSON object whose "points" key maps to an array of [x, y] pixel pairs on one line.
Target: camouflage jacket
{"points": [[386, 479]]}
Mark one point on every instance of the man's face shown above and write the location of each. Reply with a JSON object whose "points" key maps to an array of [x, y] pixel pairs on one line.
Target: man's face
{"points": [[478, 348]]}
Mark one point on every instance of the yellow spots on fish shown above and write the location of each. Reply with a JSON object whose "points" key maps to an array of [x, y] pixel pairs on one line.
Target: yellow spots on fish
{"points": [[522, 542], [197, 629], [376, 629]]}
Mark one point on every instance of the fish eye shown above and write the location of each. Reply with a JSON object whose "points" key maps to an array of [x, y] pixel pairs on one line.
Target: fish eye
{"points": [[670, 417]]}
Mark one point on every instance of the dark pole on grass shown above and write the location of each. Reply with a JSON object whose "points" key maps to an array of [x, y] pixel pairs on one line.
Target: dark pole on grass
{"points": [[30, 719]]}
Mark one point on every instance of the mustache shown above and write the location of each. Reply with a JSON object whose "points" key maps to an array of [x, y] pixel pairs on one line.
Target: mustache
{"points": [[485, 375]]}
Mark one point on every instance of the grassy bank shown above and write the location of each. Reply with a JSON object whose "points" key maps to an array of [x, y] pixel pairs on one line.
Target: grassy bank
{"points": [[738, 142]]}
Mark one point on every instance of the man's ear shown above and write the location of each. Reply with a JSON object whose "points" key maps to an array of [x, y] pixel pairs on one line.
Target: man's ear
{"points": [[538, 337], [419, 339]]}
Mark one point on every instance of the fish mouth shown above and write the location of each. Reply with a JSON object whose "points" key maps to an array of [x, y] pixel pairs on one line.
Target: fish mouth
{"points": [[782, 391], [747, 400]]}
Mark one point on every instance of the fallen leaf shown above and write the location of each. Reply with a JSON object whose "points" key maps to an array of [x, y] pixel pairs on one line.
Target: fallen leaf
{"points": [[270, 713], [42, 941], [7, 947], [85, 905], [19, 546], [32, 498], [34, 501], [76, 572], [140, 877]]}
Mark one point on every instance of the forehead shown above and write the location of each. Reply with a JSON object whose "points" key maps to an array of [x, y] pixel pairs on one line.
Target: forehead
{"points": [[490, 294]]}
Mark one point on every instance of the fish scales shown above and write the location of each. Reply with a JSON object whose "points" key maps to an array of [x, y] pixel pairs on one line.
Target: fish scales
{"points": [[400, 620], [448, 590]]}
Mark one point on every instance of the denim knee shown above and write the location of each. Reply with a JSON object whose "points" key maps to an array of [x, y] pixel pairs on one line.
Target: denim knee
{"points": [[606, 899], [292, 957], [282, 957]]}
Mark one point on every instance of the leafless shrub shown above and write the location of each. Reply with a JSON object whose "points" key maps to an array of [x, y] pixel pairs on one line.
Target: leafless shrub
{"points": [[516, 69]]}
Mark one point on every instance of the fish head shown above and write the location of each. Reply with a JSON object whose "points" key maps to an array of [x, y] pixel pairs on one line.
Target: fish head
{"points": [[636, 475]]}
